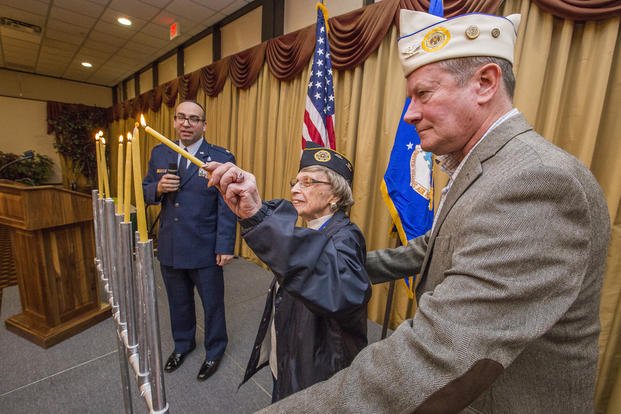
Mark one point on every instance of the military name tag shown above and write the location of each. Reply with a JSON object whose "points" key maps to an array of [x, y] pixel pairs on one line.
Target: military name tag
{"points": [[161, 171]]}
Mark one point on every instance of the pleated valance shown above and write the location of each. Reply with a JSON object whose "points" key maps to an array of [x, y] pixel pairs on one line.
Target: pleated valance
{"points": [[353, 37], [581, 10]]}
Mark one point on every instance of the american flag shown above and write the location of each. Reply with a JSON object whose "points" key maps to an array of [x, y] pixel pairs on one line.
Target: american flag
{"points": [[319, 113]]}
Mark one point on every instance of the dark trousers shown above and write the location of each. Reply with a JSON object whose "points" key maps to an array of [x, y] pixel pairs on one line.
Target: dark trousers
{"points": [[274, 389], [209, 283]]}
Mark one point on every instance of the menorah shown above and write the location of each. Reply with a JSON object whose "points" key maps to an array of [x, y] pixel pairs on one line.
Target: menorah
{"points": [[125, 267]]}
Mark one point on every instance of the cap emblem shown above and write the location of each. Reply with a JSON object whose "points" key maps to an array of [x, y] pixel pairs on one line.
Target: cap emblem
{"points": [[322, 156], [436, 39]]}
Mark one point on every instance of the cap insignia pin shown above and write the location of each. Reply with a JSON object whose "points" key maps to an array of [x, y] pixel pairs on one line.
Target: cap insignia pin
{"points": [[411, 50], [322, 156], [472, 32]]}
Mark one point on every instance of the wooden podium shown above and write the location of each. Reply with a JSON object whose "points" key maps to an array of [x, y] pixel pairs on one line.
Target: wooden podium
{"points": [[52, 239]]}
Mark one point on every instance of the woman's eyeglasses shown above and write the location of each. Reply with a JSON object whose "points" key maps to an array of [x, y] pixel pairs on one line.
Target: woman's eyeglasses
{"points": [[305, 182]]}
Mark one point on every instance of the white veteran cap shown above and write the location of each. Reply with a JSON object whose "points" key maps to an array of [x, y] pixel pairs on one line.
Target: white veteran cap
{"points": [[426, 38]]}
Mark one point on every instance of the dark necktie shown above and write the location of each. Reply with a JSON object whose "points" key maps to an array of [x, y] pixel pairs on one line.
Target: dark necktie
{"points": [[183, 165]]}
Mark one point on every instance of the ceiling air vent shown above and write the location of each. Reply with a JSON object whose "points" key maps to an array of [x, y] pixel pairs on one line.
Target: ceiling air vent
{"points": [[11, 29], [21, 26]]}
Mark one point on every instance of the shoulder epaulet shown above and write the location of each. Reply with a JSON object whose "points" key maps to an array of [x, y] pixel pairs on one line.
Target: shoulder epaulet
{"points": [[221, 149]]}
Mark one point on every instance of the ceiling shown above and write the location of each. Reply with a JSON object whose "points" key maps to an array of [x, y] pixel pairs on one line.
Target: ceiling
{"points": [[74, 31]]}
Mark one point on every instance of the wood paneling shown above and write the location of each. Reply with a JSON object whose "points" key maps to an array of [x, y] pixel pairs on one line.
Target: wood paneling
{"points": [[8, 276]]}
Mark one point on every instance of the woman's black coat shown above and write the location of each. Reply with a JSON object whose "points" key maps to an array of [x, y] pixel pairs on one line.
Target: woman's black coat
{"points": [[321, 306]]}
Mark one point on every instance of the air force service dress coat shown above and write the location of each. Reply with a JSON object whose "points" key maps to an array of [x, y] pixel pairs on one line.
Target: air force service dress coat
{"points": [[321, 306], [195, 226], [195, 223], [508, 301]]}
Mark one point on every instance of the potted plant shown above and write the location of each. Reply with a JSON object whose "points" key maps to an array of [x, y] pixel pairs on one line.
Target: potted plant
{"points": [[74, 129]]}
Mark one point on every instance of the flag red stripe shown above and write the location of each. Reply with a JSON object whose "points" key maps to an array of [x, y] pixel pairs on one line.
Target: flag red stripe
{"points": [[314, 134], [330, 129]]}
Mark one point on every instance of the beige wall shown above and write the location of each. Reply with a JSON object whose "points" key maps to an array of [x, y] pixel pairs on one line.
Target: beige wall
{"points": [[198, 54], [29, 86], [24, 127], [167, 69], [146, 81], [242, 33], [301, 13], [131, 89]]}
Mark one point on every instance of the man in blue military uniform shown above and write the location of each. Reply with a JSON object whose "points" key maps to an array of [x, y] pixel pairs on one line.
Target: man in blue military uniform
{"points": [[196, 238]]}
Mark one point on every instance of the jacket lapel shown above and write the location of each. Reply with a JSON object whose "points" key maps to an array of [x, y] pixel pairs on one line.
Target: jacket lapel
{"points": [[171, 157], [472, 169]]}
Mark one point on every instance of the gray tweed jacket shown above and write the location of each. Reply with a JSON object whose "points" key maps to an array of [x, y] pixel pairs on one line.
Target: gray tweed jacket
{"points": [[508, 299]]}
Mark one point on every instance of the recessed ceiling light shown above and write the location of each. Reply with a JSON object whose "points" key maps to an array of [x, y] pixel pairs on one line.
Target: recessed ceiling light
{"points": [[87, 64], [124, 21]]}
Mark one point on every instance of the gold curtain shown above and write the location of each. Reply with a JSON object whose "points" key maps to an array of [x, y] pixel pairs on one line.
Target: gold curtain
{"points": [[568, 86]]}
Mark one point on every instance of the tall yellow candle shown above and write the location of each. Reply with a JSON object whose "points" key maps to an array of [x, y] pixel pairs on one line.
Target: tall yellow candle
{"points": [[140, 208], [99, 175], [170, 144], [119, 177], [128, 178], [104, 168]]}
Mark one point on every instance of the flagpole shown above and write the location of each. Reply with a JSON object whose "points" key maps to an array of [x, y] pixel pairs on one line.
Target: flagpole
{"points": [[388, 311]]}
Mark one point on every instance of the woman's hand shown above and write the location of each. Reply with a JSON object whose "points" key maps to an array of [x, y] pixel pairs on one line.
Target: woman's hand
{"points": [[238, 188]]}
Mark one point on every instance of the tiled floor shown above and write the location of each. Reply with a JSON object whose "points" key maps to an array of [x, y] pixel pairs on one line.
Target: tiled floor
{"points": [[82, 374]]}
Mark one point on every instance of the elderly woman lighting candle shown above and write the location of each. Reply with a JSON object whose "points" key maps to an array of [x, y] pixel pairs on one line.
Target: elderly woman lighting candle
{"points": [[315, 317]]}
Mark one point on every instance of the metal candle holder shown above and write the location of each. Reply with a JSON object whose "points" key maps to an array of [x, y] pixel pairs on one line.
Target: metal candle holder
{"points": [[128, 279]]}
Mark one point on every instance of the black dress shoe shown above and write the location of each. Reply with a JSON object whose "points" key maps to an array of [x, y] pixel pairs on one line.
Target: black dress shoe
{"points": [[175, 360], [207, 369]]}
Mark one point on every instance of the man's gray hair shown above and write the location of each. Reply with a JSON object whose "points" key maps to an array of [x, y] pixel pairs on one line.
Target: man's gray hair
{"points": [[340, 187], [463, 68]]}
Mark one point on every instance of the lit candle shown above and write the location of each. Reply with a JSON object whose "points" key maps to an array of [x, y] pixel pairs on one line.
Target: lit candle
{"points": [[169, 143], [140, 209], [128, 178], [99, 175], [119, 177], [104, 168]]}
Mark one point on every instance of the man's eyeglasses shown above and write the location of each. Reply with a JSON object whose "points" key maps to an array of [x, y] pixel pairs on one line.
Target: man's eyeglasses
{"points": [[192, 119], [305, 182]]}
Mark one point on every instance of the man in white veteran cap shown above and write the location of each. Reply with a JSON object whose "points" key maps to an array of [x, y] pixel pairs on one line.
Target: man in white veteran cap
{"points": [[510, 273]]}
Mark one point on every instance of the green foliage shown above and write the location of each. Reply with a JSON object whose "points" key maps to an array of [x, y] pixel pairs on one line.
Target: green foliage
{"points": [[33, 171], [75, 138]]}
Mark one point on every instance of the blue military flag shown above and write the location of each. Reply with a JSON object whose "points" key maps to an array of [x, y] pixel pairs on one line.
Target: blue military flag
{"points": [[408, 185]]}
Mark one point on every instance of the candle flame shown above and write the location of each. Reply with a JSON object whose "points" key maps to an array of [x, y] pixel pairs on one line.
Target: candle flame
{"points": [[97, 136], [100, 133], [120, 139], [129, 136], [143, 122], [103, 140]]}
